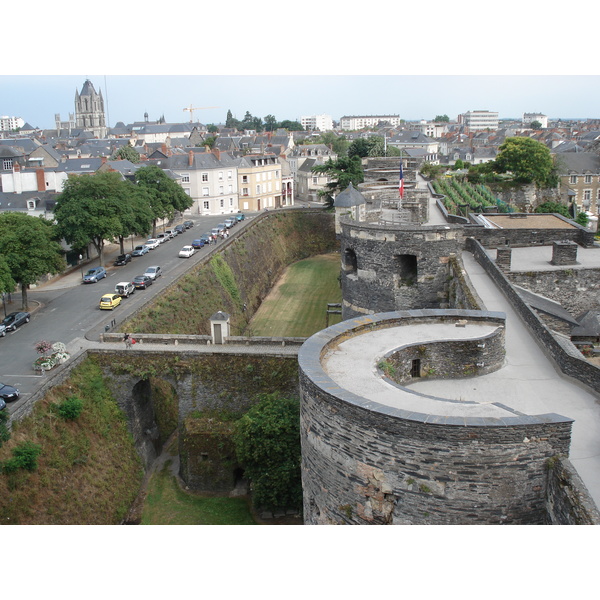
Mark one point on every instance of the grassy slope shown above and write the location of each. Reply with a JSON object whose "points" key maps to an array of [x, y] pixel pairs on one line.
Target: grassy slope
{"points": [[88, 471], [297, 305]]}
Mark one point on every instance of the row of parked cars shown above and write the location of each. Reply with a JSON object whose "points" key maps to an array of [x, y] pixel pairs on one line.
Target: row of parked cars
{"points": [[124, 289], [11, 322]]}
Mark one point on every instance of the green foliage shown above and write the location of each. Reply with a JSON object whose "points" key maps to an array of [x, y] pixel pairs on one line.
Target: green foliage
{"points": [[126, 152], [342, 172], [528, 160], [442, 119], [70, 408], [226, 278], [371, 146], [4, 432], [25, 456], [22, 261], [461, 198], [267, 442], [553, 207], [582, 219], [432, 171]]}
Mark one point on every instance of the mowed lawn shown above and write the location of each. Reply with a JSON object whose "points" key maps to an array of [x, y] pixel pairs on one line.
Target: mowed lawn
{"points": [[297, 305]]}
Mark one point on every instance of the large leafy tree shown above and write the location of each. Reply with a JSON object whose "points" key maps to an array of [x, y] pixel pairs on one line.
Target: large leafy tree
{"points": [[528, 160], [267, 443], [91, 209], [164, 194], [126, 152], [342, 172], [136, 214], [30, 249]]}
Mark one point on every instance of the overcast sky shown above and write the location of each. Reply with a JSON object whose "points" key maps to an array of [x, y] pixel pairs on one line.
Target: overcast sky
{"points": [[36, 99], [290, 61]]}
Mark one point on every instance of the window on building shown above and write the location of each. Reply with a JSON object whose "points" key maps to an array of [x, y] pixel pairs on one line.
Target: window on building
{"points": [[258, 189], [244, 178], [229, 174], [7, 163], [573, 179], [185, 178], [221, 190], [222, 202], [415, 368], [244, 191], [205, 191], [350, 261], [204, 176], [230, 201], [588, 179], [220, 175], [206, 205]]}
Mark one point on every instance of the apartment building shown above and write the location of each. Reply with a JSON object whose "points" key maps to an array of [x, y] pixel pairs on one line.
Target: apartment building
{"points": [[259, 182], [11, 123], [579, 174], [478, 120], [352, 123], [317, 123], [529, 118]]}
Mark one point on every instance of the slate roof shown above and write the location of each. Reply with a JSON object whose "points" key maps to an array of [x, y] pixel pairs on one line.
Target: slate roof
{"points": [[80, 165], [545, 305], [588, 325], [349, 197], [578, 162]]}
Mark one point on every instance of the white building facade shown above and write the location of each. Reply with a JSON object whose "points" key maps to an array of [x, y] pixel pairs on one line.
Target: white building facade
{"points": [[11, 123], [352, 123], [479, 120], [317, 123]]}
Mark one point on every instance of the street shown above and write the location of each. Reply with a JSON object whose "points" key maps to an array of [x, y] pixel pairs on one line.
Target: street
{"points": [[69, 309]]}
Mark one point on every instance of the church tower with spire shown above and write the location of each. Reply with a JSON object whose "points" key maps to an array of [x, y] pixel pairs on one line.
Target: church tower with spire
{"points": [[89, 110]]}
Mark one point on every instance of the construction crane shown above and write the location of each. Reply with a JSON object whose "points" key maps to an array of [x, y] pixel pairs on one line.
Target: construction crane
{"points": [[193, 108]]}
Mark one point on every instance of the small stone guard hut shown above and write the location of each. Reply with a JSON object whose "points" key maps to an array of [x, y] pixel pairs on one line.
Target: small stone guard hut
{"points": [[350, 203]]}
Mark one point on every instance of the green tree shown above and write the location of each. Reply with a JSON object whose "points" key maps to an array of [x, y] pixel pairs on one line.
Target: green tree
{"points": [[341, 172], [535, 125], [553, 207], [267, 443], [165, 195], [30, 249], [90, 210], [136, 214], [442, 119], [230, 122], [126, 152], [270, 123], [291, 125], [528, 160], [7, 283], [582, 219]]}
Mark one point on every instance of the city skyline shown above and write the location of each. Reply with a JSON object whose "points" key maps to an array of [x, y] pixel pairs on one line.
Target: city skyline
{"points": [[412, 97]]}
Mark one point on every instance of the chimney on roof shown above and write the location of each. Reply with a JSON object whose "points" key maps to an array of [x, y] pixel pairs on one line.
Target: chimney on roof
{"points": [[217, 153], [191, 158], [41, 180], [104, 160]]}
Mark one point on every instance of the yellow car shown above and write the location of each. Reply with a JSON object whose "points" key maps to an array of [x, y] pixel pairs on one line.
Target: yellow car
{"points": [[109, 301]]}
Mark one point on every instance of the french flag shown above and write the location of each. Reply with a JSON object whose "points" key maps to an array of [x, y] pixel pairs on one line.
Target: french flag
{"points": [[401, 183]]}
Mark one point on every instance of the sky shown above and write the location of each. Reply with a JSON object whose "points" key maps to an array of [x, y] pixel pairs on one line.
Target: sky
{"points": [[415, 61], [36, 99]]}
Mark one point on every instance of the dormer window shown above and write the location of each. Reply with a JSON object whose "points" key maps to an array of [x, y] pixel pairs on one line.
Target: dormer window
{"points": [[7, 163], [30, 204]]}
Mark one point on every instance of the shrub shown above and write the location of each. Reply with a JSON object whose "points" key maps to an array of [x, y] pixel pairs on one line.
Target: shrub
{"points": [[70, 408], [24, 457], [267, 443], [4, 432]]}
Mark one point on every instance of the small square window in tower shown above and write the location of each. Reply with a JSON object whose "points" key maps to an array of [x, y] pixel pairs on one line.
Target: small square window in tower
{"points": [[407, 268]]}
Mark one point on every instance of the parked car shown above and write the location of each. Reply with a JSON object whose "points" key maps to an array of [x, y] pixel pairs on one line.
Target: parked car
{"points": [[2, 404], [110, 301], [140, 250], [240, 216], [122, 259], [206, 238], [8, 392], [2, 330], [187, 252], [198, 244], [124, 289], [162, 238], [222, 226], [152, 243], [171, 233], [141, 282], [15, 319], [153, 272], [229, 223], [94, 275], [179, 229], [188, 224]]}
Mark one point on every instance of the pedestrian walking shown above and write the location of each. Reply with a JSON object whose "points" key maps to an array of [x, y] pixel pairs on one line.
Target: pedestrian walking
{"points": [[127, 340]]}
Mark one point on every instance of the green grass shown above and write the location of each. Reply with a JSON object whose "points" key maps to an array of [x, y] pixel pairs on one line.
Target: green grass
{"points": [[167, 504], [297, 305]]}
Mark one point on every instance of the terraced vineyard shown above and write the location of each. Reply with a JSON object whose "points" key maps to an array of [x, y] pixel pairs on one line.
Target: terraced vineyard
{"points": [[461, 198]]}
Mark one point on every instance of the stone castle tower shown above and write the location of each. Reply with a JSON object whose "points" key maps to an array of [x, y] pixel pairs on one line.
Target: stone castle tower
{"points": [[89, 110]]}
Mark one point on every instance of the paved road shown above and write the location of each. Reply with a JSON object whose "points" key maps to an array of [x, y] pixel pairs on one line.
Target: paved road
{"points": [[65, 310]]}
